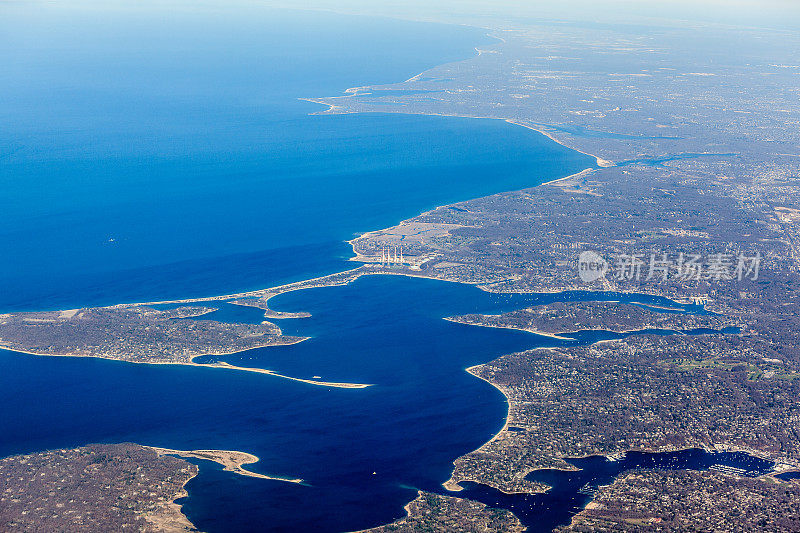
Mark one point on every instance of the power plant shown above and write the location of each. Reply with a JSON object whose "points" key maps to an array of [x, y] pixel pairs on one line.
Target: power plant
{"points": [[392, 255]]}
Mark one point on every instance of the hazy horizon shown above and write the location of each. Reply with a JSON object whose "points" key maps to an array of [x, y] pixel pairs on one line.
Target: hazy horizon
{"points": [[778, 14]]}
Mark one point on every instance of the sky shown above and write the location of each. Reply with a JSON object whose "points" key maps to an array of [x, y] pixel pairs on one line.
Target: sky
{"points": [[778, 14], [784, 14]]}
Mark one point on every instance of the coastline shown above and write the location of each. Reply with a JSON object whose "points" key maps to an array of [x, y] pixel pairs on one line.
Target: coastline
{"points": [[781, 465], [235, 461], [222, 365], [267, 294], [333, 109], [585, 172], [312, 283], [452, 484], [177, 521], [559, 335], [280, 289], [456, 320], [231, 460], [491, 33], [602, 163], [322, 281]]}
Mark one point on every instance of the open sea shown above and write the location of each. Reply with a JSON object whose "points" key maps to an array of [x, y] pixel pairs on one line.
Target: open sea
{"points": [[158, 153], [152, 153]]}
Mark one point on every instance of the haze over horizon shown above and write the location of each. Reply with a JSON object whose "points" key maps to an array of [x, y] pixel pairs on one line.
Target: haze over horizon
{"points": [[778, 14]]}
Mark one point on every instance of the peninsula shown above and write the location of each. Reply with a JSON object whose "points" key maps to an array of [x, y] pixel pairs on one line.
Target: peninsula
{"points": [[696, 163], [142, 334], [100, 487], [233, 461], [694, 159]]}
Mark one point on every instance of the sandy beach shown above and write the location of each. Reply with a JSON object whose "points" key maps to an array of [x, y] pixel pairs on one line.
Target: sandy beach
{"points": [[222, 365], [233, 461]]}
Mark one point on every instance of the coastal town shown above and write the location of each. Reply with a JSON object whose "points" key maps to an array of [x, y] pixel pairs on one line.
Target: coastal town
{"points": [[435, 512], [693, 200], [684, 499], [134, 334], [564, 318], [684, 168]]}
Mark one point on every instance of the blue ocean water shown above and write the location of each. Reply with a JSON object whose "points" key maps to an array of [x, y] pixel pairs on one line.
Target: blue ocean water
{"points": [[360, 451], [158, 152], [162, 152]]}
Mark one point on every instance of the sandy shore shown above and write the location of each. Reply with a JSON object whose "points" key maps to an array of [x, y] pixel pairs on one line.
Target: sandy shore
{"points": [[169, 516], [582, 173], [339, 110], [453, 485], [222, 365], [277, 375], [603, 163], [232, 461]]}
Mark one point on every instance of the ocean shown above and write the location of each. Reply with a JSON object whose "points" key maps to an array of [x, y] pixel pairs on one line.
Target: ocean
{"points": [[363, 453], [157, 153], [152, 153]]}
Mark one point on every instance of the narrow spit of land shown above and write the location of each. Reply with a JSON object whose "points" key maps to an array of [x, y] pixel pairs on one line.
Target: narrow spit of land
{"points": [[232, 461]]}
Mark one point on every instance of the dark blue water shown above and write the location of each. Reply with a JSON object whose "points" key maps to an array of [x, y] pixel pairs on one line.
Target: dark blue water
{"points": [[423, 411], [571, 490], [153, 153]]}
